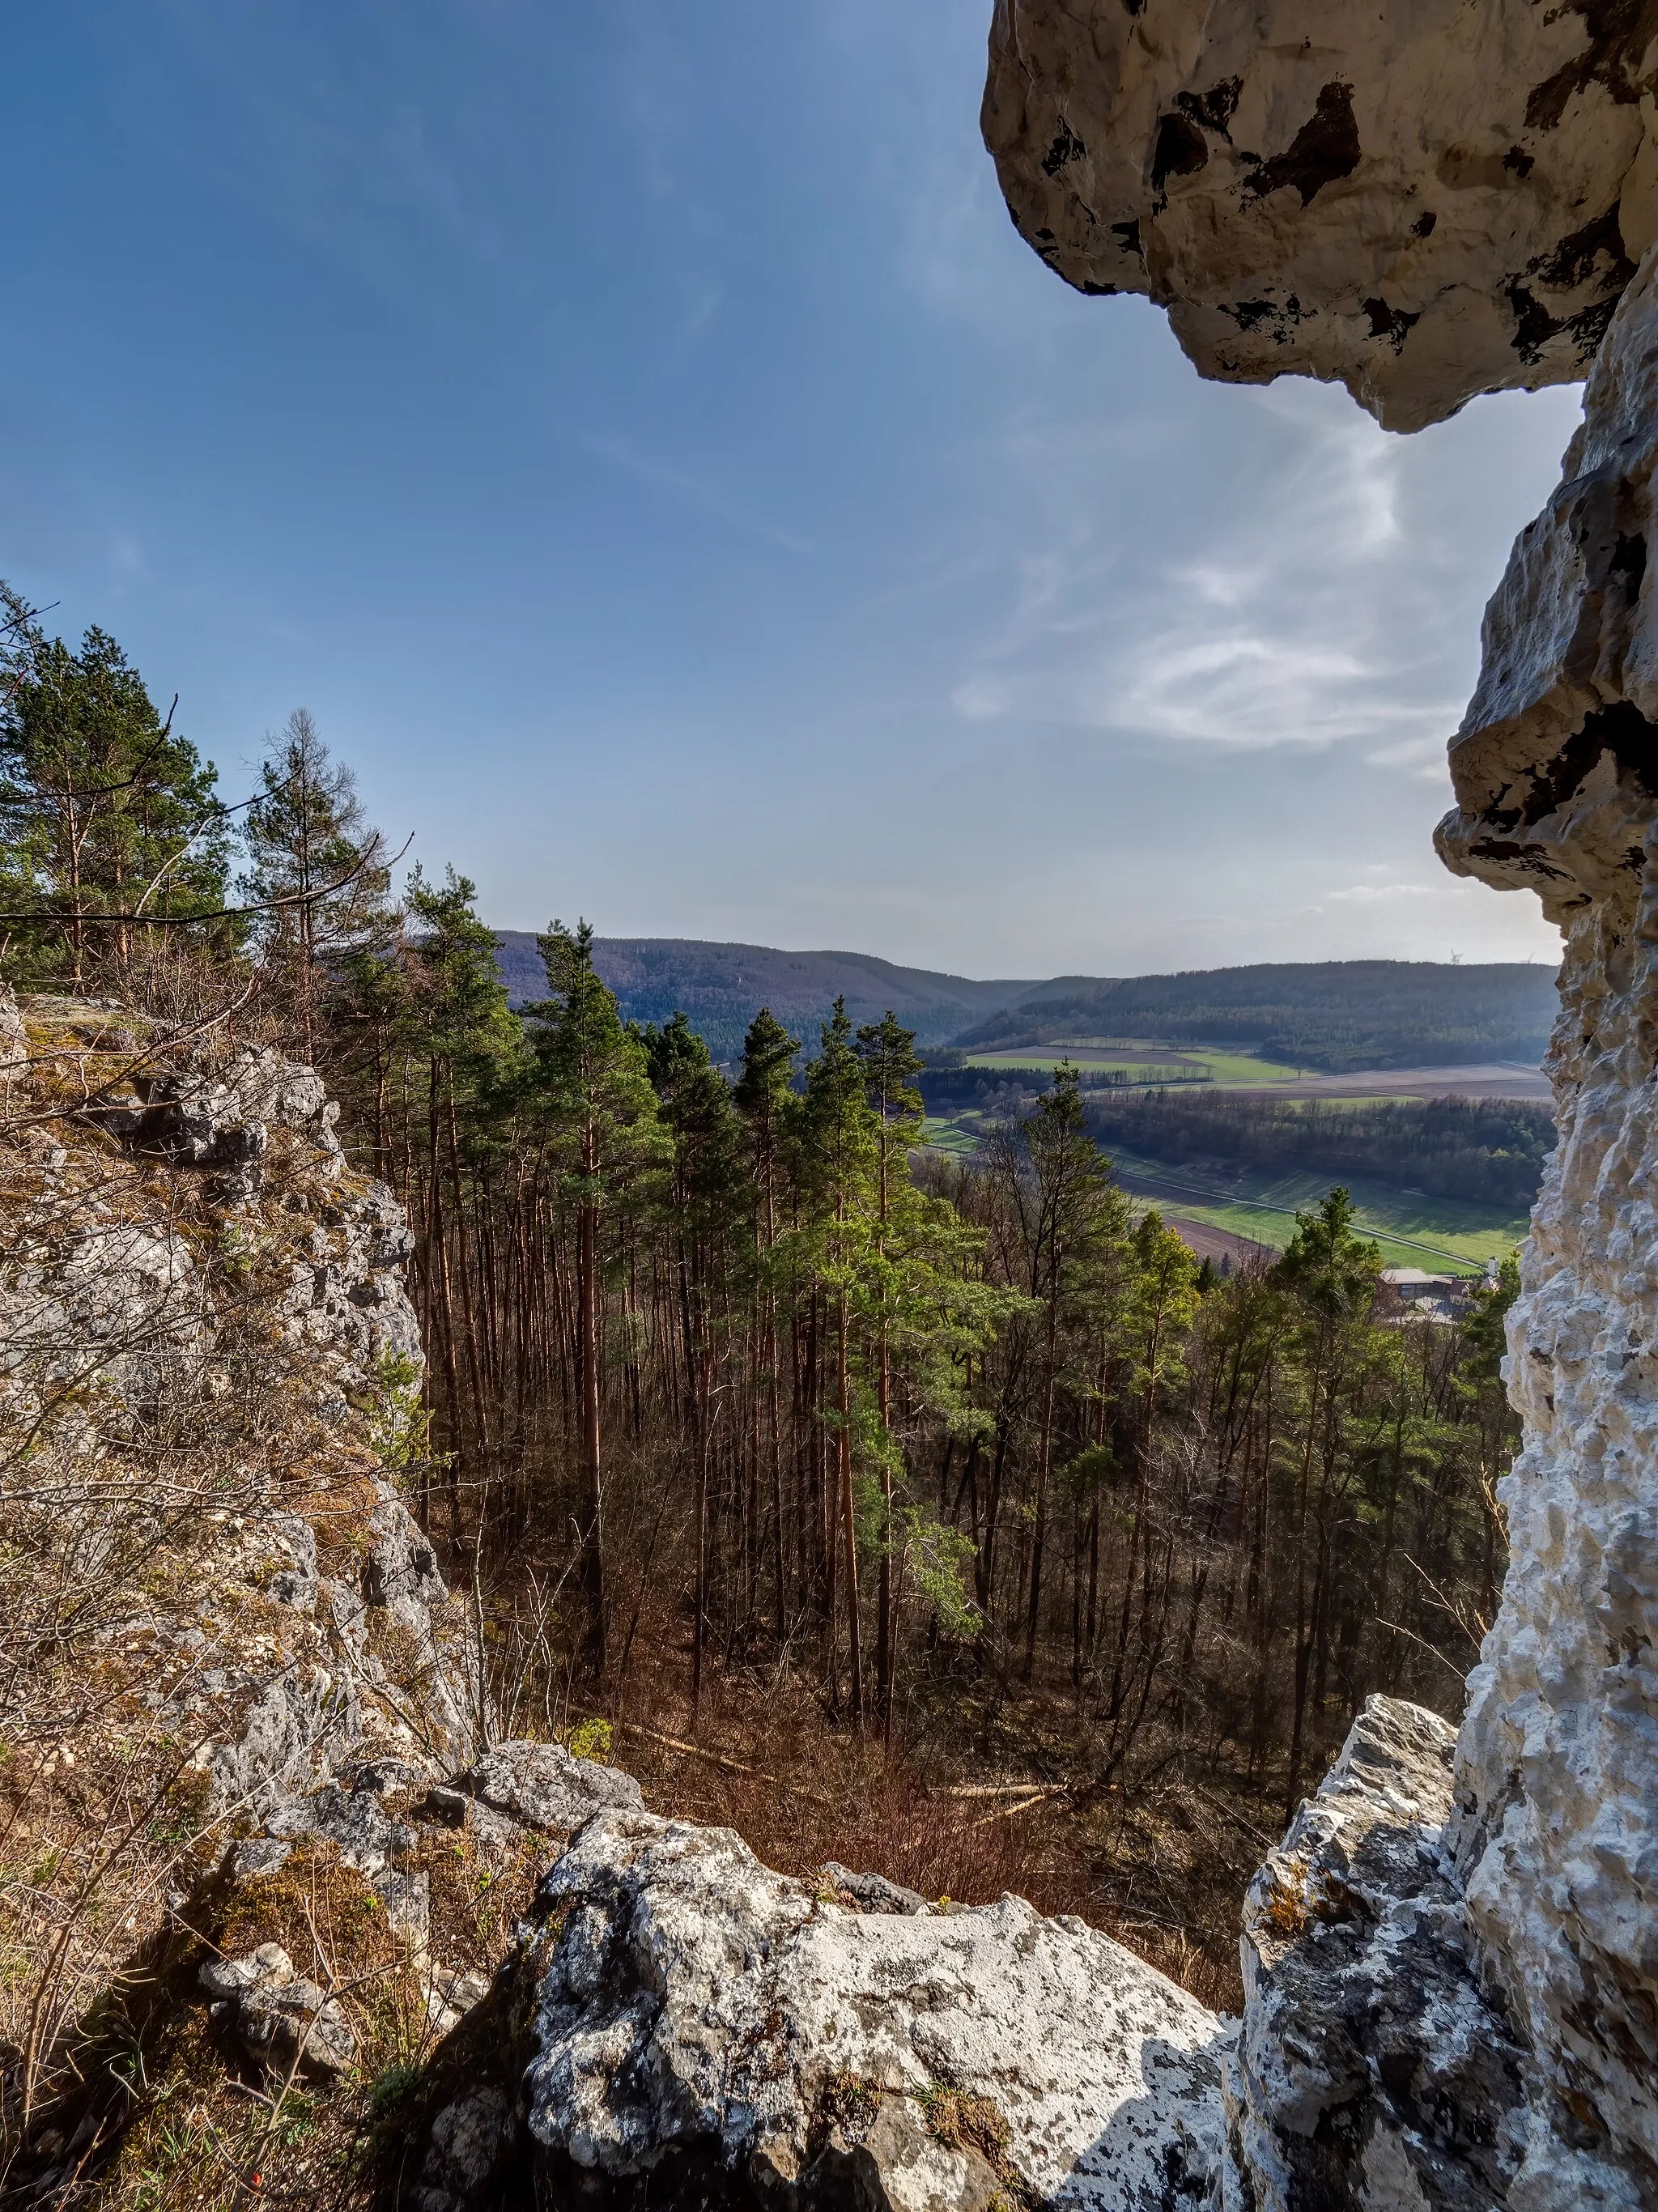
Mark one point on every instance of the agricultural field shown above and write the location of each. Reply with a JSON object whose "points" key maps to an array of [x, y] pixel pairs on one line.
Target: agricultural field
{"points": [[1412, 1231], [1146, 1061], [1260, 1205]]}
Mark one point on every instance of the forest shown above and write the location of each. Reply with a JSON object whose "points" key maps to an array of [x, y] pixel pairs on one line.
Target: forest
{"points": [[1334, 1015], [1487, 1149], [865, 1480]]}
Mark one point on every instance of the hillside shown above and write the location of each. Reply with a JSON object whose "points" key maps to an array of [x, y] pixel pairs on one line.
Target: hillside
{"points": [[722, 987], [1333, 1014]]}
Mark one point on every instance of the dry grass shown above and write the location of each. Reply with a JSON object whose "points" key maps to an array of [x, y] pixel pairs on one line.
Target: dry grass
{"points": [[1158, 1869]]}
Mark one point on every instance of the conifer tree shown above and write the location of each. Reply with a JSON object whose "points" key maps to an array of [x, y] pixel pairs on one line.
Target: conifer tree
{"points": [[1331, 1276], [705, 1202], [593, 1090], [890, 1058], [104, 809], [767, 1104], [839, 1147], [318, 866], [1075, 1211]]}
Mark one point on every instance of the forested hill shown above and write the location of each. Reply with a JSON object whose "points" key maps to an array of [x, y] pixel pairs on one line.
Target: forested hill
{"points": [[1333, 1014], [720, 988]]}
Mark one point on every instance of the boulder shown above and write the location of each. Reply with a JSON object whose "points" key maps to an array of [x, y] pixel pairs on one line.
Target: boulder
{"points": [[1372, 2067], [545, 1786], [280, 2018], [694, 2027]]}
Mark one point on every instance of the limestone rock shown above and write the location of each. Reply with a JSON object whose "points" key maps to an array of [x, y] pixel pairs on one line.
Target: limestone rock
{"points": [[869, 1892], [1370, 2055], [547, 1787], [277, 2014], [1553, 765], [1421, 200], [698, 2020]]}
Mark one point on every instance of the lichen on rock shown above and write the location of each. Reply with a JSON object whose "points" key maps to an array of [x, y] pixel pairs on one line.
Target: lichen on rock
{"points": [[1422, 200], [692, 2022]]}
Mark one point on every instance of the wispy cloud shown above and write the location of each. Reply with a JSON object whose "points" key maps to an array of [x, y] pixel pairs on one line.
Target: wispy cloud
{"points": [[707, 499], [1286, 629]]}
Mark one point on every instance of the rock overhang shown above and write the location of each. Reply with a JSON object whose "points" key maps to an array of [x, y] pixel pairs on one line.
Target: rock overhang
{"points": [[1423, 201]]}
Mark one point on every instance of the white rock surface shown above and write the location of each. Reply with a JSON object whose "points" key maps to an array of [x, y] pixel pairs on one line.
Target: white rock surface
{"points": [[1556, 768], [546, 1786], [1421, 200], [695, 2002]]}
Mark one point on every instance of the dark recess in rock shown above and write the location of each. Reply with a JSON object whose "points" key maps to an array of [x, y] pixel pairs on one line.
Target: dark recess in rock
{"points": [[1181, 150], [1533, 325], [1629, 561], [1620, 729], [1619, 33], [1127, 235], [1324, 148], [1519, 162], [1423, 226], [1066, 147], [1216, 108], [1395, 323], [1572, 263]]}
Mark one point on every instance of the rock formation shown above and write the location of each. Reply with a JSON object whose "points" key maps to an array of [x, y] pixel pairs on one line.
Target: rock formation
{"points": [[683, 2024], [1453, 1985], [1422, 200]]}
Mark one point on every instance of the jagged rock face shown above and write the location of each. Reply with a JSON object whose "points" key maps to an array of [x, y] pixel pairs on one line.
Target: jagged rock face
{"points": [[1554, 766], [1422, 200], [1372, 2068], [698, 2029]]}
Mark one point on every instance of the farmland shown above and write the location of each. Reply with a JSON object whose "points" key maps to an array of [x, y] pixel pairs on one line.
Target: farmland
{"points": [[1260, 1204]]}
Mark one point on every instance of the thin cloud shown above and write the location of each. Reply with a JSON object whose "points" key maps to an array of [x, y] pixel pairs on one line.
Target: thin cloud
{"points": [[706, 498]]}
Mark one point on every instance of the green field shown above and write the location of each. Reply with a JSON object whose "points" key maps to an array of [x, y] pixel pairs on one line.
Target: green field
{"points": [[1237, 1070], [1257, 1203], [1412, 1231]]}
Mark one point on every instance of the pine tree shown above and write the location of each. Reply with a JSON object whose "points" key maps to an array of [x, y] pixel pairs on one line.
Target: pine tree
{"points": [[705, 1204], [104, 809], [1331, 1276], [318, 866], [593, 1088], [890, 1059], [1075, 1212], [766, 1105], [839, 1147]]}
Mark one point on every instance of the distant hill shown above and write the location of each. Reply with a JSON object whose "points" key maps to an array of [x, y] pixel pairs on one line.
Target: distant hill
{"points": [[1335, 1014], [1332, 1014], [720, 988]]}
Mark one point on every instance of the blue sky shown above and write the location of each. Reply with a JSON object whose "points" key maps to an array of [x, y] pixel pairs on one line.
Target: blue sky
{"points": [[637, 435]]}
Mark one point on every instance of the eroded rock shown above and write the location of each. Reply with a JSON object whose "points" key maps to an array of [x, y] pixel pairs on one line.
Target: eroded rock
{"points": [[693, 2026], [1370, 2052], [280, 2018], [548, 1787], [1420, 200]]}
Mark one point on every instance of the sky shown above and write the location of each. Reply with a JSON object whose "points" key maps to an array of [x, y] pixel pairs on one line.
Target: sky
{"points": [[639, 437]]}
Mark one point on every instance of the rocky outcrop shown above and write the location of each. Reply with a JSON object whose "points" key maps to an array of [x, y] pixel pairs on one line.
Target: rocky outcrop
{"points": [[282, 2019], [1426, 201], [1556, 771], [1421, 200], [683, 2025], [1372, 2068]]}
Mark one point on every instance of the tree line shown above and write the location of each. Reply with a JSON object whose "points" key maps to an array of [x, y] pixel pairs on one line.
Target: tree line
{"points": [[1484, 1149], [1337, 1014], [727, 1372]]}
